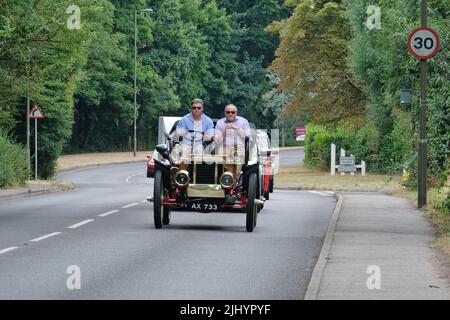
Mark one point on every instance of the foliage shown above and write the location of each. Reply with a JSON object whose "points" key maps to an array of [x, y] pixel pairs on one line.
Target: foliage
{"points": [[13, 163], [310, 64]]}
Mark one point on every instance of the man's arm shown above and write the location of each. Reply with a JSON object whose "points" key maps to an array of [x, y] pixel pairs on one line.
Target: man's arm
{"points": [[209, 132], [181, 130]]}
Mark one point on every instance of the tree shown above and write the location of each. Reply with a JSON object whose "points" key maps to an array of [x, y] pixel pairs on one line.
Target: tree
{"points": [[311, 63]]}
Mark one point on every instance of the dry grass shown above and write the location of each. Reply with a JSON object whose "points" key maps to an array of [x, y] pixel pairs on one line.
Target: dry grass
{"points": [[303, 178], [49, 184], [73, 161]]}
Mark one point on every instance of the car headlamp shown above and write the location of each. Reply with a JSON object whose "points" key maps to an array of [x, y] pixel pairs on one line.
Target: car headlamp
{"points": [[226, 180], [182, 178]]}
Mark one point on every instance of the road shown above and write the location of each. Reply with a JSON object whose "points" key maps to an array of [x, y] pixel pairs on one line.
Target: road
{"points": [[292, 157], [104, 230]]}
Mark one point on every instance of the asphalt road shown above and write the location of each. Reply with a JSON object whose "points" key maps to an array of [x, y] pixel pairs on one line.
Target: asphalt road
{"points": [[292, 157], [45, 241]]}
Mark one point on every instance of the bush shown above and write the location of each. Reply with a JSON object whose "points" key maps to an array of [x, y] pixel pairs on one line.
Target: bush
{"points": [[362, 143], [13, 163], [317, 146]]}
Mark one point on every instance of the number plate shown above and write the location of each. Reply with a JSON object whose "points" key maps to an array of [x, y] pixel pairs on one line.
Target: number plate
{"points": [[202, 206]]}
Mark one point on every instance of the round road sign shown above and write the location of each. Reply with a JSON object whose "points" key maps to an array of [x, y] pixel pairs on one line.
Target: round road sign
{"points": [[423, 43]]}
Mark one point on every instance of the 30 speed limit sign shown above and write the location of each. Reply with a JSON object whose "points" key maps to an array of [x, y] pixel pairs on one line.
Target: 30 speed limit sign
{"points": [[423, 43]]}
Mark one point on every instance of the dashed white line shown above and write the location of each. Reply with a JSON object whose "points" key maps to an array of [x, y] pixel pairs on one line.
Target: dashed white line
{"points": [[8, 249], [108, 213], [130, 205], [320, 193], [79, 224], [46, 236]]}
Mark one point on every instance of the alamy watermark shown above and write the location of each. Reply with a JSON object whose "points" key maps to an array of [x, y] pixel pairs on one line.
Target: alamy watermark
{"points": [[374, 280], [374, 17], [73, 282], [74, 20]]}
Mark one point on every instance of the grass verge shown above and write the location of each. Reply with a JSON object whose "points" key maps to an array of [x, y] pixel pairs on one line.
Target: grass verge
{"points": [[73, 161]]}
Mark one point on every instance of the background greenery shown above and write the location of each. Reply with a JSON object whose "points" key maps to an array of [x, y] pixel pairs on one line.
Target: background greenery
{"points": [[283, 63]]}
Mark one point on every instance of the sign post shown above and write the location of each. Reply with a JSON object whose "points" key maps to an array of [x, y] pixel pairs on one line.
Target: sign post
{"points": [[36, 113], [423, 43], [28, 138]]}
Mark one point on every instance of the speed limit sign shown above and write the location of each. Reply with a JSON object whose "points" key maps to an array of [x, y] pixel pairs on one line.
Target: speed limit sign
{"points": [[423, 43]]}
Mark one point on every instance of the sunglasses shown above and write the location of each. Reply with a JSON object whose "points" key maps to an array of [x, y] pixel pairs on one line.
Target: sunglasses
{"points": [[231, 112], [196, 108]]}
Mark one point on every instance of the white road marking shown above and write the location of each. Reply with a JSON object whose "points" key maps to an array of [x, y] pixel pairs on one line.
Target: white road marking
{"points": [[8, 249], [128, 179], [130, 205], [132, 176], [108, 213], [76, 225], [46, 236], [143, 201], [320, 193]]}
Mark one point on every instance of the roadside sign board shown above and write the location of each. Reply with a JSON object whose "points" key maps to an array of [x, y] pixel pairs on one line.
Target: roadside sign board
{"points": [[36, 113], [423, 43], [300, 133], [347, 164]]}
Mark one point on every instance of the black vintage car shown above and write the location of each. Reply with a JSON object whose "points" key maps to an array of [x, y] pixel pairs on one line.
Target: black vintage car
{"points": [[208, 183]]}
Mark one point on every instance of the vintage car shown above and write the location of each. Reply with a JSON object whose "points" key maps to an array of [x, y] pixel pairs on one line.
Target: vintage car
{"points": [[207, 183]]}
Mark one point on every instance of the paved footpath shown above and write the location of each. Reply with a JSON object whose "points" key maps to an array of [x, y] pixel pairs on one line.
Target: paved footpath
{"points": [[379, 241]]}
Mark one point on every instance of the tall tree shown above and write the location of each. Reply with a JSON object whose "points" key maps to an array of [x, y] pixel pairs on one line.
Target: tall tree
{"points": [[311, 63]]}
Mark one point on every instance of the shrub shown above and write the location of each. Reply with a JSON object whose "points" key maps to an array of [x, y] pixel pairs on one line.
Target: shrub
{"points": [[13, 163]]}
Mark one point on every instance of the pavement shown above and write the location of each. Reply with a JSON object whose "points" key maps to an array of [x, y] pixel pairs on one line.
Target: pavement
{"points": [[379, 247]]}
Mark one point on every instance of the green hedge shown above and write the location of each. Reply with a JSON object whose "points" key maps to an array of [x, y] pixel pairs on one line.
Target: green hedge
{"points": [[13, 163], [362, 143]]}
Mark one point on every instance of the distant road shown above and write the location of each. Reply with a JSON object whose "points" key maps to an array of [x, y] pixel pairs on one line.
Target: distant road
{"points": [[292, 157]]}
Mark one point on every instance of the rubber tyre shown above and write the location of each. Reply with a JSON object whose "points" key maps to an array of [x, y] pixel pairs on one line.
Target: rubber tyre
{"points": [[271, 184], [251, 204], [158, 196]]}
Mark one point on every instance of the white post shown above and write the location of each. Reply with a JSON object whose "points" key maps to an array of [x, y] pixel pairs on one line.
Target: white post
{"points": [[342, 155], [352, 173], [363, 168], [333, 159]]}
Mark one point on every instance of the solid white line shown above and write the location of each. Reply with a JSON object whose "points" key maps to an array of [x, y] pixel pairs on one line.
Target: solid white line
{"points": [[108, 213], [8, 249], [143, 201], [80, 224], [46, 236], [130, 205]]}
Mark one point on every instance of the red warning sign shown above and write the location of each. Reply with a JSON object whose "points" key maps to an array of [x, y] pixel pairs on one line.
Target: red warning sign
{"points": [[36, 112]]}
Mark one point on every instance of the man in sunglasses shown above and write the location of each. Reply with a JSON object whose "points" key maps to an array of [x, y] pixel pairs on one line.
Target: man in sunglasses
{"points": [[195, 128], [230, 133]]}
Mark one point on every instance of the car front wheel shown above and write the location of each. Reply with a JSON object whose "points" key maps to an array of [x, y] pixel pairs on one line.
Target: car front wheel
{"points": [[158, 196], [251, 208]]}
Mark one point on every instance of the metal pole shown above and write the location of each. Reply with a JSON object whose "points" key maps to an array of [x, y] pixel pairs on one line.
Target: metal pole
{"points": [[35, 150], [422, 174], [28, 138], [135, 71]]}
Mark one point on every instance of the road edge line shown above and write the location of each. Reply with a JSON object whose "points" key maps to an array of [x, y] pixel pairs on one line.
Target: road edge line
{"points": [[316, 277]]}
